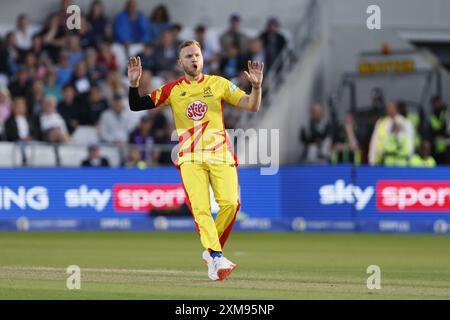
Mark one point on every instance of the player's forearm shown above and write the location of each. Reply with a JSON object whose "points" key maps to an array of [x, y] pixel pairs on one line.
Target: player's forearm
{"points": [[254, 99], [138, 103]]}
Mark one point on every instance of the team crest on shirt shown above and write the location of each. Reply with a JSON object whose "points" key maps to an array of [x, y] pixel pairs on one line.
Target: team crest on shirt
{"points": [[207, 92], [196, 110]]}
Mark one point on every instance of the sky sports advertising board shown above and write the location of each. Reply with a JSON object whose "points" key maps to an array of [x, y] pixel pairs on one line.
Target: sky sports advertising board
{"points": [[298, 198]]}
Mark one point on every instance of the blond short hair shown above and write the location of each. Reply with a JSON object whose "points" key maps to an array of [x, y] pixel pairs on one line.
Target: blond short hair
{"points": [[188, 43]]}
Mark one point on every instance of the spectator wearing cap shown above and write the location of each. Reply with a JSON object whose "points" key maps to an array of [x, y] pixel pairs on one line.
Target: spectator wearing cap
{"points": [[131, 26], [274, 42], [116, 123], [159, 22], [234, 36], [94, 158]]}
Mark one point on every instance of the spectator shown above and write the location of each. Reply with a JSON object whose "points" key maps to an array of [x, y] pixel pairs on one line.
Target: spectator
{"points": [[18, 126], [76, 53], [19, 86], [106, 58], [98, 21], [96, 72], [232, 63], [148, 59], [80, 79], [37, 45], [30, 63], [12, 52], [131, 26], [210, 49], [86, 34], [159, 22], [367, 117], [167, 52], [141, 137], [256, 51], [35, 98], [96, 104], [392, 141], [63, 70], [437, 129], [61, 14], [133, 159], [23, 33], [116, 123], [274, 42], [53, 37], [113, 85], [346, 148], [234, 37], [51, 123], [5, 105], [316, 136], [51, 87], [94, 158], [423, 157], [68, 108]]}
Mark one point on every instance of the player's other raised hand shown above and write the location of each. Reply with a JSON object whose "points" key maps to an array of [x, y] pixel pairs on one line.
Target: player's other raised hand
{"points": [[255, 73], [134, 71]]}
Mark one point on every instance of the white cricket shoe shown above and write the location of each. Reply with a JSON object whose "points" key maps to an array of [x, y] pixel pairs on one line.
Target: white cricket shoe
{"points": [[208, 260], [222, 267]]}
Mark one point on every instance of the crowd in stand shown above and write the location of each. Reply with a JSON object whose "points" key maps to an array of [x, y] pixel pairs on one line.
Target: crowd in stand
{"points": [[55, 80], [386, 133]]}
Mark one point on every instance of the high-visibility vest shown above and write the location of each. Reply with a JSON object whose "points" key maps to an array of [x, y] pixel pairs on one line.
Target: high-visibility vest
{"points": [[395, 150], [437, 124], [417, 161]]}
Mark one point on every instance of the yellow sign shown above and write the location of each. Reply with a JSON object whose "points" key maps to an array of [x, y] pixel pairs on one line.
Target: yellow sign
{"points": [[373, 67]]}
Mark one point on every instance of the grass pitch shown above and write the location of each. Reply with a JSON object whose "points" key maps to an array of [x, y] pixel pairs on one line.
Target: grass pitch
{"points": [[269, 266]]}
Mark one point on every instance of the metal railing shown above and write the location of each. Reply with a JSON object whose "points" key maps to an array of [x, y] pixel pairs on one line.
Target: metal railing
{"points": [[304, 31]]}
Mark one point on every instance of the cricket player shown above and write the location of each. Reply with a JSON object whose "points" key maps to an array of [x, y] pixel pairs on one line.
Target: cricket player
{"points": [[205, 155]]}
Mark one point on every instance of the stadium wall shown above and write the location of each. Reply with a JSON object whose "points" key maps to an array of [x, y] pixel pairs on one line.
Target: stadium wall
{"points": [[298, 198]]}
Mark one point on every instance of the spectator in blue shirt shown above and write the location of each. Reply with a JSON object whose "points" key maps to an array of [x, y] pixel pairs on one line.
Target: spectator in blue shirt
{"points": [[159, 21], [131, 26]]}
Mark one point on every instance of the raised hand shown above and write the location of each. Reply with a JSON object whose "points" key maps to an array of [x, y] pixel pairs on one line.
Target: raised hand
{"points": [[255, 73], [134, 71]]}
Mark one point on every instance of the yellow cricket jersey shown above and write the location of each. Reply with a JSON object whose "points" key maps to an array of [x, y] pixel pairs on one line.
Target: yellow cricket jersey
{"points": [[197, 107]]}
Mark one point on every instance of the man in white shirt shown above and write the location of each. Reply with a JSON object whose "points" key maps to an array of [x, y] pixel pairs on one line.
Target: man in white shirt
{"points": [[24, 35], [116, 123], [52, 124]]}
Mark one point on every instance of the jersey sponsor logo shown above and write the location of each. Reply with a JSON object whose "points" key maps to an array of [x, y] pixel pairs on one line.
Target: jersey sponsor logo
{"points": [[233, 87], [196, 110], [404, 196], [145, 197]]}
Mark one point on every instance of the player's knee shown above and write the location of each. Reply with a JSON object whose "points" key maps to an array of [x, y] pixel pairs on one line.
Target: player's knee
{"points": [[229, 205]]}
